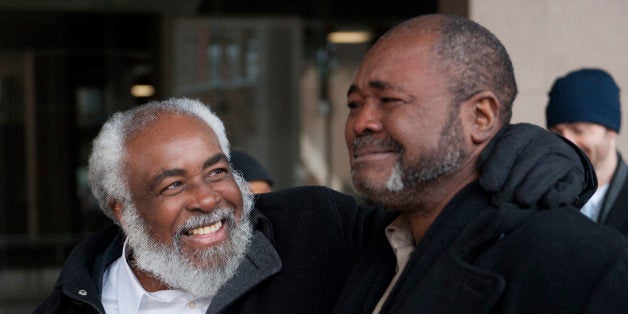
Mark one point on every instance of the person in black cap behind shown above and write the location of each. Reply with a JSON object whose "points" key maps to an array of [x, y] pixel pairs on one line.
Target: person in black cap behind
{"points": [[253, 172], [584, 107]]}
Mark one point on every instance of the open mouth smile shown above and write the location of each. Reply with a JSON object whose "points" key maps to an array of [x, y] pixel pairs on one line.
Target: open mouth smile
{"points": [[205, 229], [207, 235]]}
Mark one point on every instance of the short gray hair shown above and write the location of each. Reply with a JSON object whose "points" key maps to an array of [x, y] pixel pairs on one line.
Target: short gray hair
{"points": [[106, 173], [470, 55]]}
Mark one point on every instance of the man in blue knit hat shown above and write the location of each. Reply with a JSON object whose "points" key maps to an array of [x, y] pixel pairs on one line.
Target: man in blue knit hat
{"points": [[253, 172], [584, 107]]}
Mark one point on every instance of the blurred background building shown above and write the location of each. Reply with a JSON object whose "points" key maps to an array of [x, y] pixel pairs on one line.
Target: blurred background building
{"points": [[276, 72]]}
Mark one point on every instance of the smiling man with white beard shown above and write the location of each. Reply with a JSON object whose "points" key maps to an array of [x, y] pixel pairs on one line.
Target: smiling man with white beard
{"points": [[183, 192], [161, 172]]}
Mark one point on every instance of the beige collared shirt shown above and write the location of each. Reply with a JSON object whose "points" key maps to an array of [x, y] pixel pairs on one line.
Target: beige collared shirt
{"points": [[399, 235]]}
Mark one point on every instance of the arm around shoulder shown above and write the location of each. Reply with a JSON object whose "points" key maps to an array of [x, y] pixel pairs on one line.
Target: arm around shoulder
{"points": [[317, 210]]}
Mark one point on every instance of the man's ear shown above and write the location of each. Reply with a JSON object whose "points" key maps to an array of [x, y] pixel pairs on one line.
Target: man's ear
{"points": [[116, 208], [484, 116]]}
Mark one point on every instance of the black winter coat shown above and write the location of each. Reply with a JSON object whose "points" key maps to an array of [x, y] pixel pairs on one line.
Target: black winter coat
{"points": [[478, 259]]}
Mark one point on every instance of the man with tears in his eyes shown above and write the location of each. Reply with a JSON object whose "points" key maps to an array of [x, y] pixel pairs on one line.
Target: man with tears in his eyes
{"points": [[187, 238], [428, 100]]}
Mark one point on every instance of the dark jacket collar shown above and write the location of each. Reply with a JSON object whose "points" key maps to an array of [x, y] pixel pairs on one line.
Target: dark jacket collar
{"points": [[81, 276], [261, 262]]}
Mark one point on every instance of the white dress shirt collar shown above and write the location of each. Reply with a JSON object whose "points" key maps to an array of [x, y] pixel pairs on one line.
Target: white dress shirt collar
{"points": [[123, 293]]}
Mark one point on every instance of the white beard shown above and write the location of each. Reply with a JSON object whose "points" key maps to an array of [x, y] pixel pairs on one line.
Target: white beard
{"points": [[178, 271], [394, 183]]}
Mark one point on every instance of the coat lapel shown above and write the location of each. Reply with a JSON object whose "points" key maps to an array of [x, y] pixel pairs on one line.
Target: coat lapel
{"points": [[441, 277], [451, 285], [261, 261]]}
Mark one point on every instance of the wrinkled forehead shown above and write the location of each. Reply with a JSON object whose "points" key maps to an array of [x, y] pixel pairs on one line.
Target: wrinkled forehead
{"points": [[399, 61], [166, 122], [144, 118], [168, 125], [399, 50], [408, 38]]}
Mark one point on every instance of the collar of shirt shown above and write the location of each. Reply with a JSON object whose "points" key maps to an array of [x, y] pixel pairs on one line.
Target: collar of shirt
{"points": [[593, 207], [123, 293], [399, 235]]}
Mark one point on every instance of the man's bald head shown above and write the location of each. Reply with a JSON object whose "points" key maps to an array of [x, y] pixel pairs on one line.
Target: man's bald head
{"points": [[470, 56]]}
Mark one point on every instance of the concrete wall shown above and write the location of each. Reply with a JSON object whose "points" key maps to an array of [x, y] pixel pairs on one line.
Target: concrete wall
{"points": [[548, 38]]}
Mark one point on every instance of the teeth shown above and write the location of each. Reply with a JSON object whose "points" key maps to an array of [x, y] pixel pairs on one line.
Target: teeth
{"points": [[206, 230]]}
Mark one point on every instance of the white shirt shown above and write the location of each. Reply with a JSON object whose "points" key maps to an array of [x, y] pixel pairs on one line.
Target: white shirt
{"points": [[593, 207], [123, 293]]}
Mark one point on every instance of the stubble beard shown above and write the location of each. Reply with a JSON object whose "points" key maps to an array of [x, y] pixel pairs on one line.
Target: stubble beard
{"points": [[408, 184]]}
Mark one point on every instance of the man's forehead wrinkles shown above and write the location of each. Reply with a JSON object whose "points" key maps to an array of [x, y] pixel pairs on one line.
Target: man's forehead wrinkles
{"points": [[165, 172], [382, 86], [379, 85]]}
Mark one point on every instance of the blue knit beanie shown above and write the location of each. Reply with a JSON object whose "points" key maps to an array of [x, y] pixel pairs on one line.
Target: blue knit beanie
{"points": [[587, 95]]}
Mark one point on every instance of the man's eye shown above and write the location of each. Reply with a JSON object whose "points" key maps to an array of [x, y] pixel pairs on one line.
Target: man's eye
{"points": [[218, 171], [579, 131], [217, 174], [173, 187], [352, 105], [389, 99]]}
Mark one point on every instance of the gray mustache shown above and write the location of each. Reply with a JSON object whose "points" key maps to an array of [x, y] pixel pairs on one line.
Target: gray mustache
{"points": [[371, 140]]}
